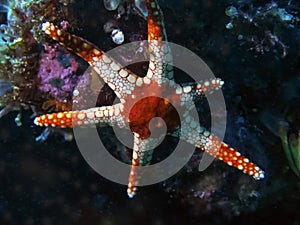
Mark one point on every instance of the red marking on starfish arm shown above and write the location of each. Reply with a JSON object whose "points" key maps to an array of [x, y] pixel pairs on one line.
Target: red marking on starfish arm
{"points": [[86, 50], [64, 119], [99, 115], [233, 158], [218, 149], [155, 21]]}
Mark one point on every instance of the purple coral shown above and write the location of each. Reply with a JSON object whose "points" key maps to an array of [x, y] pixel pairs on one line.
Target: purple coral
{"points": [[57, 72]]}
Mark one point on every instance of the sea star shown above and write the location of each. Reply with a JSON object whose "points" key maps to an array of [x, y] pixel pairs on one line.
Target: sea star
{"points": [[137, 114]]}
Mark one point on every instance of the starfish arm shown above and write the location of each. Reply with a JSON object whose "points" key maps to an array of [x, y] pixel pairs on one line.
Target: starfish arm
{"points": [[203, 87], [104, 115], [203, 139], [160, 63], [141, 156], [190, 92], [120, 80]]}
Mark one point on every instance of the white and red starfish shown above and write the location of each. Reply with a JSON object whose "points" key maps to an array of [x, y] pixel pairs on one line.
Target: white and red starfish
{"points": [[137, 115]]}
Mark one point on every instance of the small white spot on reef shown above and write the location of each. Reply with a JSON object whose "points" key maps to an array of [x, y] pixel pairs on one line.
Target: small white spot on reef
{"points": [[117, 36]]}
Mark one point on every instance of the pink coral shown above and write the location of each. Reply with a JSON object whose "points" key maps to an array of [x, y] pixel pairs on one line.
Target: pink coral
{"points": [[57, 72]]}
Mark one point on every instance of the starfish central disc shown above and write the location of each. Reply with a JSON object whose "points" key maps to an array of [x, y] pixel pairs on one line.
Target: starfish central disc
{"points": [[149, 108]]}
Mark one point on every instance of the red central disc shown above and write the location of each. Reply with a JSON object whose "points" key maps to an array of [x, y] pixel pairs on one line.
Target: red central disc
{"points": [[148, 108]]}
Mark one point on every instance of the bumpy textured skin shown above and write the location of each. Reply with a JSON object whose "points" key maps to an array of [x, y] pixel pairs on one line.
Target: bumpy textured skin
{"points": [[127, 86]]}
